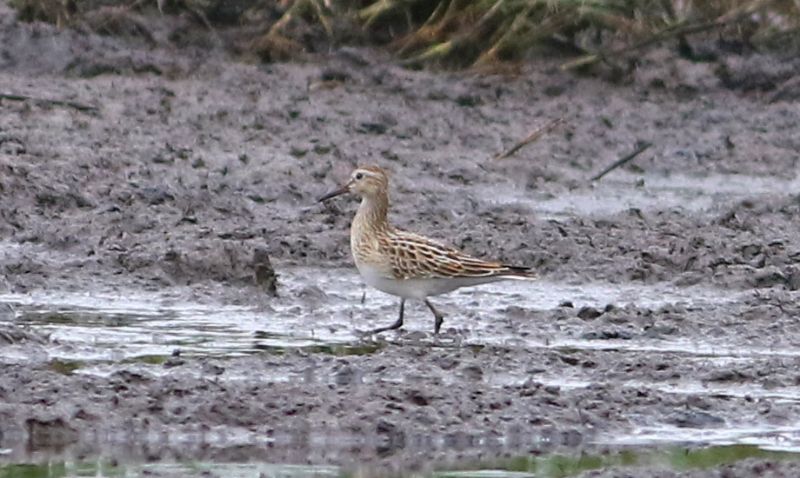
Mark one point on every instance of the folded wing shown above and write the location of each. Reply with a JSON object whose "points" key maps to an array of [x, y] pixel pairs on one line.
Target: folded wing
{"points": [[415, 256]]}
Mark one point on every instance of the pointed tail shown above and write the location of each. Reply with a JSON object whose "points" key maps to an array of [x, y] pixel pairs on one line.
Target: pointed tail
{"points": [[519, 272]]}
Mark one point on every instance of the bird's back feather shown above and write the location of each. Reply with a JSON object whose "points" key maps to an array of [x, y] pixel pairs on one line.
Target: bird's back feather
{"points": [[413, 256]]}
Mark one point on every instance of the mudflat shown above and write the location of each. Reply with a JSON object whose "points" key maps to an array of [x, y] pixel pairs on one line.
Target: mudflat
{"points": [[138, 209]]}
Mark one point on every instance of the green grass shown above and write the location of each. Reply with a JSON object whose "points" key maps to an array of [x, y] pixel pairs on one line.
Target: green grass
{"points": [[65, 367]]}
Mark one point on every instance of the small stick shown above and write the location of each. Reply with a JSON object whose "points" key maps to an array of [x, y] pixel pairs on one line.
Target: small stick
{"points": [[623, 160], [535, 134], [70, 104]]}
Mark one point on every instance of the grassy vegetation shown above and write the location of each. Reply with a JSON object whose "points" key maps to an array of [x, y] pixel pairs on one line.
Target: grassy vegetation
{"points": [[462, 32], [466, 33]]}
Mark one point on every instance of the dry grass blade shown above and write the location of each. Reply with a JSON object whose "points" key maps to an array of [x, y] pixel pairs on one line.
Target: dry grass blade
{"points": [[275, 45], [299, 9], [456, 47], [427, 31], [323, 14], [372, 13], [535, 134], [506, 37], [438, 50]]}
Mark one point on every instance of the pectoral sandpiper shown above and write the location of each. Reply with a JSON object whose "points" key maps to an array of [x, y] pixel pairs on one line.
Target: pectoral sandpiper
{"points": [[405, 264]]}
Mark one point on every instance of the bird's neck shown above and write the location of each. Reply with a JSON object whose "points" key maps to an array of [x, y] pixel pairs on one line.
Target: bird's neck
{"points": [[372, 214]]}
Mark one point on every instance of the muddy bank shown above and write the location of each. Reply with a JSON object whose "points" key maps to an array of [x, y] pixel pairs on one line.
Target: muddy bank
{"points": [[402, 404], [134, 228], [180, 176], [502, 381]]}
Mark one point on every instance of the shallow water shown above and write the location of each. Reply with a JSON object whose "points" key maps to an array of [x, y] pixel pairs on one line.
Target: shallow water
{"points": [[94, 333], [122, 325], [621, 191]]}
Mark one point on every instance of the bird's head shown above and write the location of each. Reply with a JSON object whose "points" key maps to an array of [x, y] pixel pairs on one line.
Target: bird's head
{"points": [[366, 181]]}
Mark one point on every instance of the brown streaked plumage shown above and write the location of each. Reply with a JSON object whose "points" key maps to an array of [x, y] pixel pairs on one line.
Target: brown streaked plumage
{"points": [[406, 264]]}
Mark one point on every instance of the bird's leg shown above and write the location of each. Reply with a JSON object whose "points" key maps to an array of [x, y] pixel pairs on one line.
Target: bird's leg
{"points": [[396, 325], [439, 318]]}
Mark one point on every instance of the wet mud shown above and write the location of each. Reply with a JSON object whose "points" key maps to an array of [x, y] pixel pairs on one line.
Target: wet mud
{"points": [[136, 234]]}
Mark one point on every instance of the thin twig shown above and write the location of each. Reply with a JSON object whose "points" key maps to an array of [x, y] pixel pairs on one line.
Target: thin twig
{"points": [[48, 101], [623, 160], [535, 134]]}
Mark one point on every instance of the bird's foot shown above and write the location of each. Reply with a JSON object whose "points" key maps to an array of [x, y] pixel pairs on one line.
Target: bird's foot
{"points": [[367, 333], [437, 325]]}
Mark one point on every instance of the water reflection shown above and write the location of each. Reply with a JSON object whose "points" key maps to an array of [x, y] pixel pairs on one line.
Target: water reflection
{"points": [[560, 464]]}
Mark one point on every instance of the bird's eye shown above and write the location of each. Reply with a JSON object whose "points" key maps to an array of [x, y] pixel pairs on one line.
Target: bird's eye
{"points": [[359, 176]]}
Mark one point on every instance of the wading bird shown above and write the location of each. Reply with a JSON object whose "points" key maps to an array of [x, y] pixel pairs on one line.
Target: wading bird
{"points": [[406, 264]]}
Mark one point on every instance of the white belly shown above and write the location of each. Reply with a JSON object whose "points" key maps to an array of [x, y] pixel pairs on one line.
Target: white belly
{"points": [[417, 288]]}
